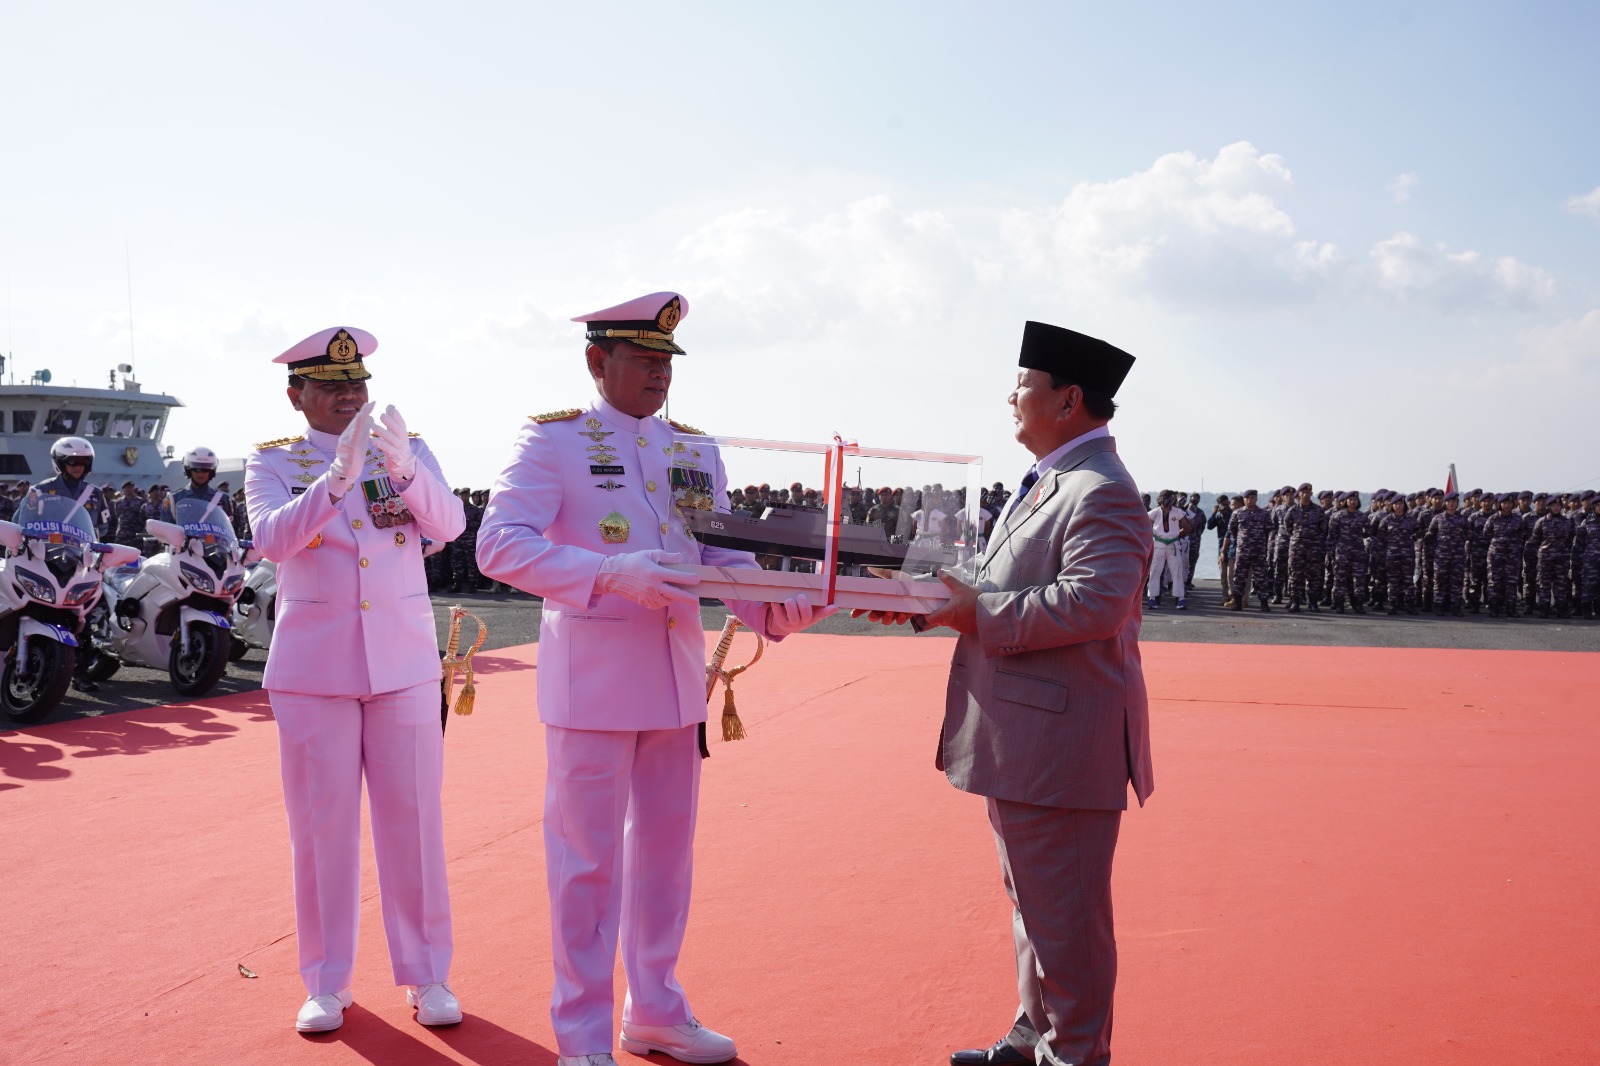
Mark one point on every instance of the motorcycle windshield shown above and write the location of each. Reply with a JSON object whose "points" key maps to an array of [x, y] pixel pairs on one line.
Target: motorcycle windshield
{"points": [[55, 520], [206, 521], [60, 527]]}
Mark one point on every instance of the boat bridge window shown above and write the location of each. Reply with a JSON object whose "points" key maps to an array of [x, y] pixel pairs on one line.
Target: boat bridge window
{"points": [[148, 427], [61, 420], [12, 465], [122, 426], [22, 421], [97, 423]]}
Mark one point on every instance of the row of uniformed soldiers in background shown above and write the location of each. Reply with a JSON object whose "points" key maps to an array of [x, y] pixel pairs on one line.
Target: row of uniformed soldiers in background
{"points": [[1432, 551]]}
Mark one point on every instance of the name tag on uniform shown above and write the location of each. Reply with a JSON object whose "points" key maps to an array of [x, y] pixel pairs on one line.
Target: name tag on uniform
{"points": [[604, 469]]}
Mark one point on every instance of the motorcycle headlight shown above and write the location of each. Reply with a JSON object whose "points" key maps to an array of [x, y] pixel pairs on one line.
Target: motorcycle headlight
{"points": [[198, 578], [230, 586], [34, 585], [78, 595]]}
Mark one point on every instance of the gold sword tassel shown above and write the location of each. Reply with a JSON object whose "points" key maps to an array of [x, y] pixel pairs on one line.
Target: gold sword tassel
{"points": [[453, 661], [732, 727]]}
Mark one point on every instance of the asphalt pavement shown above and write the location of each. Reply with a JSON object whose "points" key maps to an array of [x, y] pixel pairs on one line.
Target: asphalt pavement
{"points": [[513, 619]]}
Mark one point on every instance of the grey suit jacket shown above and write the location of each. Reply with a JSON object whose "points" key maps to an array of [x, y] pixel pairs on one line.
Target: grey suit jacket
{"points": [[1046, 704]]}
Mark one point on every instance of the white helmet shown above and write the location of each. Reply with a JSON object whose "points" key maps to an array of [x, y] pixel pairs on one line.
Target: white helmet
{"points": [[200, 459], [72, 448]]}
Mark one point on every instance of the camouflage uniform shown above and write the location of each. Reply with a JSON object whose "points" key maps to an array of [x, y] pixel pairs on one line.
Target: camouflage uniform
{"points": [[1530, 552], [1552, 546], [1400, 554], [1478, 554], [1307, 526], [464, 550], [1280, 550], [1250, 530], [130, 516], [1377, 553], [1504, 562], [1446, 542], [1330, 506], [1586, 553], [1345, 529], [1426, 591]]}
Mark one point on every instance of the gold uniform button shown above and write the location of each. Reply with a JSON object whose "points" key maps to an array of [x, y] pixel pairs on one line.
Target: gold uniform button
{"points": [[366, 606], [650, 486], [355, 524], [672, 623], [642, 442], [663, 529], [363, 562]]}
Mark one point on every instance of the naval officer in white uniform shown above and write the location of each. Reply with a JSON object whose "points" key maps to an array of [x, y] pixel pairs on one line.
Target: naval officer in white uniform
{"points": [[353, 674], [590, 506]]}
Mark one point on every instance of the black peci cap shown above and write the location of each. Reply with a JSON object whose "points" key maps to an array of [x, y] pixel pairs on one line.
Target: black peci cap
{"points": [[1086, 362]]}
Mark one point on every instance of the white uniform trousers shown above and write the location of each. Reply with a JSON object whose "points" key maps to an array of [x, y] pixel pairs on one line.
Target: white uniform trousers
{"points": [[1167, 558], [326, 744], [619, 820]]}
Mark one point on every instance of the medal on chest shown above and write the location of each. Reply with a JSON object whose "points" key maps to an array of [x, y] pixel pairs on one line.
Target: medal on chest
{"points": [[384, 503], [691, 490]]}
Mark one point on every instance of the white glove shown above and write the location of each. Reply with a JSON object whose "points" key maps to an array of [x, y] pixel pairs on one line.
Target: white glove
{"points": [[395, 445], [794, 614], [350, 454], [641, 577]]}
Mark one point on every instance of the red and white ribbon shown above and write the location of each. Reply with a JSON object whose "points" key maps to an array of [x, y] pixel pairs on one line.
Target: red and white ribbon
{"points": [[834, 482]]}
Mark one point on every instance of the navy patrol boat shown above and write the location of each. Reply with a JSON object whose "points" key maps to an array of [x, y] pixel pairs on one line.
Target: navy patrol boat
{"points": [[123, 422]]}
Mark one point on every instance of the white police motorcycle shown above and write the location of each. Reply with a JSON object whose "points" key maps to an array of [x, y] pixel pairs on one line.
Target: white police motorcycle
{"points": [[172, 610], [255, 612], [48, 584]]}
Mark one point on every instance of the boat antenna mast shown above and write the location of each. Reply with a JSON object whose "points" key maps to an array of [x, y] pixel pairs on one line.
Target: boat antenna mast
{"points": [[127, 254]]}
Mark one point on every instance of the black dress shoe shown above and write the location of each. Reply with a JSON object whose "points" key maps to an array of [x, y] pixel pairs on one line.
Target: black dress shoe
{"points": [[1001, 1054]]}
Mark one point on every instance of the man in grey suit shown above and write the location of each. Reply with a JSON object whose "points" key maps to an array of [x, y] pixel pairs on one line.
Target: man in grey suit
{"points": [[1045, 709]]}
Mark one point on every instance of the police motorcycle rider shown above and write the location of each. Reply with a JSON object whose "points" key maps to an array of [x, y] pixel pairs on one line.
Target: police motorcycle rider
{"points": [[74, 459], [200, 467]]}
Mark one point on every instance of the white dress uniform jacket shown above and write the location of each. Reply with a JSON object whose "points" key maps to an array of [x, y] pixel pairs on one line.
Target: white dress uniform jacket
{"points": [[605, 661], [354, 618]]}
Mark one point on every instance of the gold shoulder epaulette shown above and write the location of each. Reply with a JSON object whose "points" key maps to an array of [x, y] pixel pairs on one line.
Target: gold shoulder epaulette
{"points": [[558, 416], [413, 434], [279, 443], [682, 428]]}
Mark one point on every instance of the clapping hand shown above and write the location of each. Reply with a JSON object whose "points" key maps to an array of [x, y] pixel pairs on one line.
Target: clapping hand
{"points": [[395, 445], [350, 454]]}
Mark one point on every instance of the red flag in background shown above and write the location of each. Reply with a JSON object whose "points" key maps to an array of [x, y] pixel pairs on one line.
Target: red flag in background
{"points": [[1450, 484]]}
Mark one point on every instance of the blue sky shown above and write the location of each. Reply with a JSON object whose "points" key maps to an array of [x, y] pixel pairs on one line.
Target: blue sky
{"points": [[1348, 245]]}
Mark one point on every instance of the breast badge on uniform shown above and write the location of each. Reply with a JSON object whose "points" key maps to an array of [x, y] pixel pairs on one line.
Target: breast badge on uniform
{"points": [[614, 528], [385, 505], [691, 490], [609, 485]]}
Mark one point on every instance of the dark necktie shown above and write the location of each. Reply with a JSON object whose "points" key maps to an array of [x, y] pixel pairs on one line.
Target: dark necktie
{"points": [[1027, 483]]}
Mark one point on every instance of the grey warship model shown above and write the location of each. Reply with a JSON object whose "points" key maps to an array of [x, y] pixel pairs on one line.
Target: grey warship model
{"points": [[801, 533]]}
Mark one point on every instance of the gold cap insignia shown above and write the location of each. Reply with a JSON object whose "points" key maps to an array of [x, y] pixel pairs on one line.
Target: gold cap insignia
{"points": [[667, 319], [342, 348]]}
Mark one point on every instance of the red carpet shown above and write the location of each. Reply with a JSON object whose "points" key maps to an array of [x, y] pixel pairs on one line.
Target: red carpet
{"points": [[1352, 856]]}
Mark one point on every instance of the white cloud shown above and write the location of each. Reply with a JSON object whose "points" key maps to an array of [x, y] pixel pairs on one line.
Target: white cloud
{"points": [[1401, 185], [1407, 270], [1587, 204], [1187, 232]]}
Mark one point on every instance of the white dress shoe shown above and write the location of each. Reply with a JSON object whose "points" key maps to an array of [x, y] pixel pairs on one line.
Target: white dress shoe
{"points": [[435, 1004], [325, 1013], [689, 1042], [587, 1060]]}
